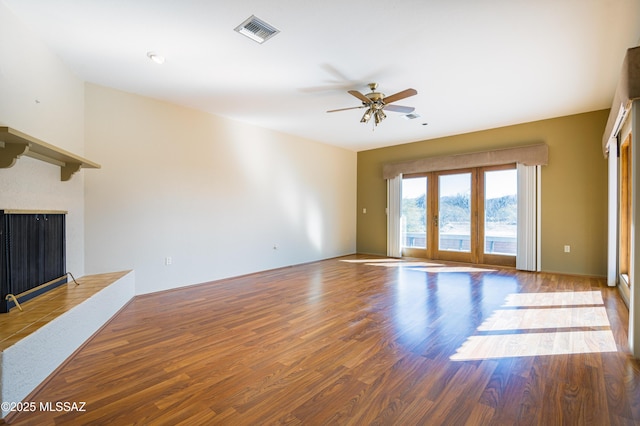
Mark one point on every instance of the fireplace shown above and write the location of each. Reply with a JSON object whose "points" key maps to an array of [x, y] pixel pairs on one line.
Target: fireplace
{"points": [[32, 255]]}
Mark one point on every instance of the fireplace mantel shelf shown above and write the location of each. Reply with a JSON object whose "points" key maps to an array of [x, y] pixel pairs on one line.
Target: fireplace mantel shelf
{"points": [[14, 144]]}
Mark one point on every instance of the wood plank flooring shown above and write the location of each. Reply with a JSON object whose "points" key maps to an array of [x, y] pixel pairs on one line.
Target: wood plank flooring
{"points": [[349, 341]]}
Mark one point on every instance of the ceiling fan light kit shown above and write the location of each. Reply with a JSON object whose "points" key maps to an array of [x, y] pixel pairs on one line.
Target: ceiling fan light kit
{"points": [[376, 102]]}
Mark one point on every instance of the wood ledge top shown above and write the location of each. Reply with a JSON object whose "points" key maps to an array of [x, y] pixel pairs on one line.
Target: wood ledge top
{"points": [[16, 325], [14, 144]]}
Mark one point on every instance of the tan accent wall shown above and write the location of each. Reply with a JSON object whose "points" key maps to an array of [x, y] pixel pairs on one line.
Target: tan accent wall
{"points": [[574, 186]]}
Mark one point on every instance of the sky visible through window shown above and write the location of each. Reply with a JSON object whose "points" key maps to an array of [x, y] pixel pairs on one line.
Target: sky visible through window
{"points": [[498, 184], [412, 188]]}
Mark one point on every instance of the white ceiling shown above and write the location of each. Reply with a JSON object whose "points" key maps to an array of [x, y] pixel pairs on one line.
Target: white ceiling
{"points": [[476, 64]]}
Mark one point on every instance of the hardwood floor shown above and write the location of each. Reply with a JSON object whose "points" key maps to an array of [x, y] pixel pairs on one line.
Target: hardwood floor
{"points": [[344, 341]]}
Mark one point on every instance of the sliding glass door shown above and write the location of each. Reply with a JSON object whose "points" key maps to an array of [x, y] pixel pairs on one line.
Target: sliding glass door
{"points": [[465, 215], [414, 213], [498, 211], [625, 212], [454, 201]]}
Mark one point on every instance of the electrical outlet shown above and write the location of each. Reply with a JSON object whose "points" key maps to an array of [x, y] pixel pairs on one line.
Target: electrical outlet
{"points": [[168, 260], [364, 211], [567, 249]]}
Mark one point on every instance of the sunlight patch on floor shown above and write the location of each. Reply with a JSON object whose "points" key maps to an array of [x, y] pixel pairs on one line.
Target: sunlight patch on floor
{"points": [[534, 344], [412, 265], [529, 319], [390, 263], [434, 268], [565, 298], [569, 311], [443, 269]]}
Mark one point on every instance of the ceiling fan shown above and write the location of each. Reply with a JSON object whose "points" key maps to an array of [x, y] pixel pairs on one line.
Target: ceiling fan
{"points": [[376, 102]]}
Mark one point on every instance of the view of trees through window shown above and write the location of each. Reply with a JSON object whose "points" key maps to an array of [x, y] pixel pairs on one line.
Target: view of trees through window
{"points": [[501, 212], [414, 212]]}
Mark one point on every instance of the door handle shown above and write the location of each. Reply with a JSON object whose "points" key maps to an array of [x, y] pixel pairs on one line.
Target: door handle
{"points": [[435, 221]]}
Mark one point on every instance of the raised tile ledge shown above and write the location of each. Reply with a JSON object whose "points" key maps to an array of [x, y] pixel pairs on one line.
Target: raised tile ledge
{"points": [[33, 350]]}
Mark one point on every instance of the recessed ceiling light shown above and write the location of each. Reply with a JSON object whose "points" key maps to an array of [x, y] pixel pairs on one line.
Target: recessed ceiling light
{"points": [[411, 116], [256, 29], [158, 59]]}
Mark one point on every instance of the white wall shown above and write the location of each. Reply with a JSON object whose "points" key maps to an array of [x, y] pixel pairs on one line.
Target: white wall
{"points": [[40, 97], [213, 194]]}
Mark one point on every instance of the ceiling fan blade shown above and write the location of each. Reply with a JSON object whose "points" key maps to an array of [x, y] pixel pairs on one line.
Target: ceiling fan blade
{"points": [[399, 108], [360, 96], [400, 95], [344, 109]]}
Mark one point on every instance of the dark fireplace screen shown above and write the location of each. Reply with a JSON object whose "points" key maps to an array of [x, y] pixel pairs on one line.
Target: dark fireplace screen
{"points": [[33, 255]]}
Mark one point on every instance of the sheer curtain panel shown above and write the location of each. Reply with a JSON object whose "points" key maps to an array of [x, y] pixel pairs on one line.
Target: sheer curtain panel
{"points": [[394, 203], [527, 257]]}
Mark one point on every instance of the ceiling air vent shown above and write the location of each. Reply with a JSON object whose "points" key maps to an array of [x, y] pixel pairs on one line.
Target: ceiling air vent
{"points": [[256, 29]]}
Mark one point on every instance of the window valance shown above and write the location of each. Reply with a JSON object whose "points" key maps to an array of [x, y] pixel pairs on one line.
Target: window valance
{"points": [[529, 155], [628, 90]]}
